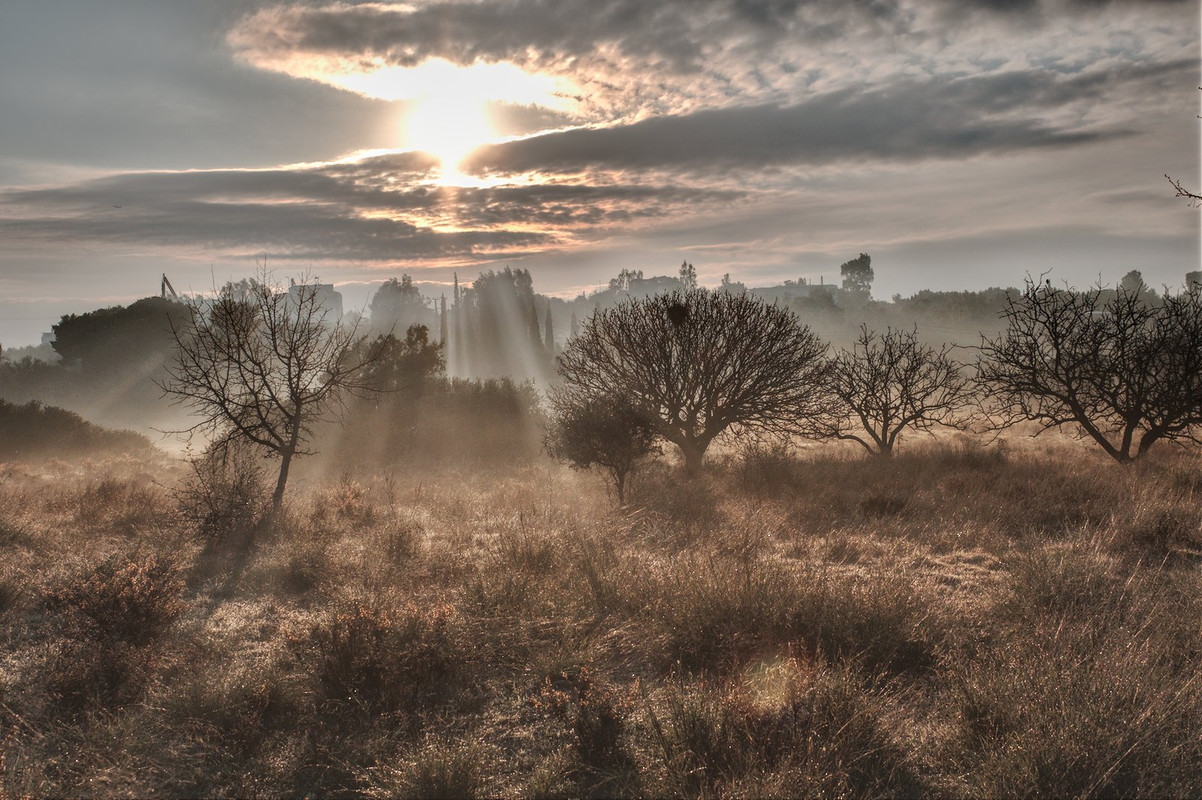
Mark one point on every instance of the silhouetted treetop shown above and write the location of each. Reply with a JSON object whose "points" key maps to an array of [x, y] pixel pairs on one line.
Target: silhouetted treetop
{"points": [[697, 363], [1124, 372], [857, 276]]}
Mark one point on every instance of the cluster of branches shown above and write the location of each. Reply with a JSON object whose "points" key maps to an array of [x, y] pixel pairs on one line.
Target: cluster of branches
{"points": [[695, 363], [888, 383], [687, 367], [261, 365], [1121, 367], [1117, 369]]}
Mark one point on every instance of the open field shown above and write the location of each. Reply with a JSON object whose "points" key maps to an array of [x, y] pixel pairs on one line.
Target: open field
{"points": [[956, 621]]}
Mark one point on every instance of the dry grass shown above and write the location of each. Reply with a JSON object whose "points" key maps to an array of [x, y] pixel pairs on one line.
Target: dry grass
{"points": [[955, 621]]}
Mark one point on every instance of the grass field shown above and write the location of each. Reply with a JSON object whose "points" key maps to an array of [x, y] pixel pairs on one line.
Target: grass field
{"points": [[954, 622]]}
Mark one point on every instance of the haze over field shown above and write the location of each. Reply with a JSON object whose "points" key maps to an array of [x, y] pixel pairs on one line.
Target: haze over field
{"points": [[962, 144]]}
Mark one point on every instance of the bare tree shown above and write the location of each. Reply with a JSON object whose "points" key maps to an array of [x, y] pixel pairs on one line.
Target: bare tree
{"points": [[891, 382], [603, 432], [262, 366], [697, 363], [1115, 368]]}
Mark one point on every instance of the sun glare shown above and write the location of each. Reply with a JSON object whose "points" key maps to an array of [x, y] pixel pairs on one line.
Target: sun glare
{"points": [[449, 129], [450, 117]]}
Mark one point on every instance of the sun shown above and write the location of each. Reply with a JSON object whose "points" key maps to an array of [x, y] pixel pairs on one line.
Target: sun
{"points": [[449, 128], [448, 110]]}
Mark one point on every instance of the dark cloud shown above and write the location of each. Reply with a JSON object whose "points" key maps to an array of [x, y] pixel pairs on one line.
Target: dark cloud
{"points": [[376, 208], [938, 118], [677, 35]]}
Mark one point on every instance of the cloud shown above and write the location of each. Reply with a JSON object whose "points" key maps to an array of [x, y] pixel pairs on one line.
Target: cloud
{"points": [[377, 208], [628, 59], [908, 120]]}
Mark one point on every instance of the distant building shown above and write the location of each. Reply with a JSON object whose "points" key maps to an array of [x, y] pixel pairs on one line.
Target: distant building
{"points": [[327, 298]]}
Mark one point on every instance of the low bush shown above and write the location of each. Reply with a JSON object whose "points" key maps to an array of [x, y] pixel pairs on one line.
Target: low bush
{"points": [[380, 660], [226, 492], [122, 599], [437, 768], [110, 618], [830, 737], [595, 714]]}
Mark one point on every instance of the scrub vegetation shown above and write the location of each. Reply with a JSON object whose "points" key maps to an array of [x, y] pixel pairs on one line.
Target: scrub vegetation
{"points": [[449, 601], [954, 621]]}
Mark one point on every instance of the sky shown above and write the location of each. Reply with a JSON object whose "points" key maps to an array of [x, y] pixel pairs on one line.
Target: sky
{"points": [[962, 143]]}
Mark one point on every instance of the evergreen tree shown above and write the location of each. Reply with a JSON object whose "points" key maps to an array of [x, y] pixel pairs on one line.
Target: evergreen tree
{"points": [[688, 275], [549, 332], [442, 321]]}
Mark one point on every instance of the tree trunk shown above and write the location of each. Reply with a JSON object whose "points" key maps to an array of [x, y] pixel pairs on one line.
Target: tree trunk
{"points": [[693, 453], [277, 497]]}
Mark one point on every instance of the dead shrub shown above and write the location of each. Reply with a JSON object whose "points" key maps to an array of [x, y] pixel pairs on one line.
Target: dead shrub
{"points": [[381, 660], [830, 737], [595, 714], [109, 618], [346, 501], [124, 599], [226, 492], [768, 467]]}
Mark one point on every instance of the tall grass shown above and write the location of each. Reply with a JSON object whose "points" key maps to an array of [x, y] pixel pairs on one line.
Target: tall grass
{"points": [[955, 621]]}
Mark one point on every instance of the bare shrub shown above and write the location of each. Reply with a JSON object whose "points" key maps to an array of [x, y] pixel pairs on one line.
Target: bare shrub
{"points": [[110, 618], [378, 660], [437, 768], [225, 492], [123, 599], [829, 738], [595, 714], [767, 466]]}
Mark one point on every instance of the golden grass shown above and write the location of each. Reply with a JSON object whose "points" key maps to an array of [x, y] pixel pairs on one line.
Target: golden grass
{"points": [[952, 622]]}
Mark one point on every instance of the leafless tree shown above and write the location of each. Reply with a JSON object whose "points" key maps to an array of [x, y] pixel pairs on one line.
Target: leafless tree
{"points": [[891, 382], [262, 365], [603, 432], [698, 363], [1114, 367]]}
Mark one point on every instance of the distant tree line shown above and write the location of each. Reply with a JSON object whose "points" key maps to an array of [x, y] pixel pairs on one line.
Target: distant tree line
{"points": [[32, 430], [640, 363]]}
